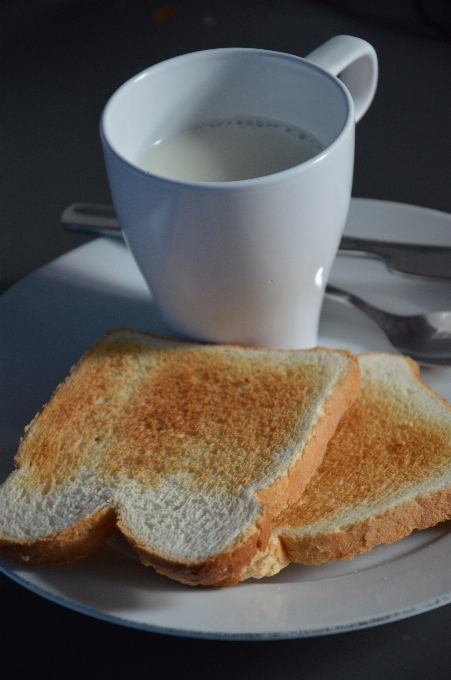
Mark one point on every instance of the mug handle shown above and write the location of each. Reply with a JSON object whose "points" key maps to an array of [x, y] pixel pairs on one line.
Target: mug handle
{"points": [[354, 61]]}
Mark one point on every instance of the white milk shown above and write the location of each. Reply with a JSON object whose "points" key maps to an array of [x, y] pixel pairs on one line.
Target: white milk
{"points": [[232, 149]]}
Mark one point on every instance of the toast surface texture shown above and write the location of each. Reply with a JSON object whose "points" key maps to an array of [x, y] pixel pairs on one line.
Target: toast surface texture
{"points": [[189, 449], [386, 472]]}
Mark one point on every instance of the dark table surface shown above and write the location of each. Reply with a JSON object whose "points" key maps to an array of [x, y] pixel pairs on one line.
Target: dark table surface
{"points": [[60, 61]]}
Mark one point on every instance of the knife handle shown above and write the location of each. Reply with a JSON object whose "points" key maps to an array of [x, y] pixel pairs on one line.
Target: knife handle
{"points": [[92, 218], [422, 261]]}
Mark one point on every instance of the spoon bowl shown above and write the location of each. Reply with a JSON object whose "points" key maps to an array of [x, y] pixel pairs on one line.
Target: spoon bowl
{"points": [[424, 337]]}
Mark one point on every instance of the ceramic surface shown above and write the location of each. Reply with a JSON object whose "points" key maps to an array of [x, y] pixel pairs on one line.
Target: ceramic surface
{"points": [[242, 261]]}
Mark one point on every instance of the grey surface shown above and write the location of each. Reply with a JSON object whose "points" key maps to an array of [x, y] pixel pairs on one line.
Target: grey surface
{"points": [[60, 61]]}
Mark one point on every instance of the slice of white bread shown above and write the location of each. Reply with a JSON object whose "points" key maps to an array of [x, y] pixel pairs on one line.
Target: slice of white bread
{"points": [[386, 472], [189, 449]]}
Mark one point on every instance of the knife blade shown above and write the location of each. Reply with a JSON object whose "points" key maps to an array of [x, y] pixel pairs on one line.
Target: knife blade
{"points": [[420, 261]]}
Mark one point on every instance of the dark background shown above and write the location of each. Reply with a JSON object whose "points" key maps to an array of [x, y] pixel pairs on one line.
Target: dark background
{"points": [[59, 63]]}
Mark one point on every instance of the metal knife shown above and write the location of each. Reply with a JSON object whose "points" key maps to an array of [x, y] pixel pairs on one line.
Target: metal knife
{"points": [[421, 261]]}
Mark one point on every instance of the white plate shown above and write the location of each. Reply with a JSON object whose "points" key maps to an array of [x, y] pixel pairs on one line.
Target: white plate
{"points": [[48, 320]]}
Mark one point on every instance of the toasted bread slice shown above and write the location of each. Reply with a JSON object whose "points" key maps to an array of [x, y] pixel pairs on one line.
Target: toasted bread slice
{"points": [[386, 472], [190, 450]]}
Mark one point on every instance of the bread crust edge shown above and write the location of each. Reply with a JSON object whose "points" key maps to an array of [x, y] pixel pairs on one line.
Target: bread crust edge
{"points": [[66, 546], [344, 543], [222, 570]]}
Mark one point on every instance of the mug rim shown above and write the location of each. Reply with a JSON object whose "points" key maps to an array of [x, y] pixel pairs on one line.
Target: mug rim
{"points": [[345, 131]]}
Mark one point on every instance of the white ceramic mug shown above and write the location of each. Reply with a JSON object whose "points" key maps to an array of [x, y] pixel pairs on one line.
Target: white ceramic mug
{"points": [[243, 261]]}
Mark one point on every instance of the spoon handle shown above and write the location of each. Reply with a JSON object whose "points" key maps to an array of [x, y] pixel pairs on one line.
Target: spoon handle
{"points": [[382, 318]]}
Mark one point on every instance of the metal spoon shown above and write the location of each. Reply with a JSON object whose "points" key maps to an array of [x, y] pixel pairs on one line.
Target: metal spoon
{"points": [[424, 337]]}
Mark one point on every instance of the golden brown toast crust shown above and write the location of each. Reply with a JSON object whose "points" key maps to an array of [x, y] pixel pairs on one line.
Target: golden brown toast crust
{"points": [[227, 569], [385, 447], [192, 398], [391, 526], [66, 546]]}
